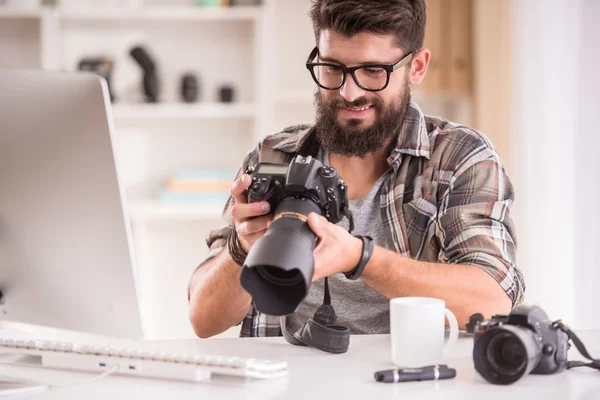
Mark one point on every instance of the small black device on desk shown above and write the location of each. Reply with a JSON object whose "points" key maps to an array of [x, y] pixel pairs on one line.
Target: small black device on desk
{"points": [[429, 373]]}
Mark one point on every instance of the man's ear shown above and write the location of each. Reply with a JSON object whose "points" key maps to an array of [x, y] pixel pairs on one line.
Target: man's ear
{"points": [[418, 66]]}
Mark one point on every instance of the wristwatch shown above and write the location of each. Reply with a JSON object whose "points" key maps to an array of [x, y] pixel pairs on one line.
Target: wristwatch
{"points": [[368, 246]]}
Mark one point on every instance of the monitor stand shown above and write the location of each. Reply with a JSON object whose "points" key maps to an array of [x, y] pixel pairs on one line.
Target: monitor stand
{"points": [[9, 330]]}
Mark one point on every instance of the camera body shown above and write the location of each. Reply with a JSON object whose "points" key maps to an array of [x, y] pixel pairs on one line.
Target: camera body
{"points": [[507, 347], [304, 177], [279, 268]]}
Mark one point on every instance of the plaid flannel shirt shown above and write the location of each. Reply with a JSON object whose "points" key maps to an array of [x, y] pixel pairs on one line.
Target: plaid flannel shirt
{"points": [[448, 201]]}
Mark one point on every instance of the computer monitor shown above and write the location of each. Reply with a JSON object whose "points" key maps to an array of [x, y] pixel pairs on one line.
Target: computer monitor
{"points": [[66, 254]]}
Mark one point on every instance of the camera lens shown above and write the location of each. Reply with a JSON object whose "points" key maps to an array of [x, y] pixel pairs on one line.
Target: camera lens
{"points": [[280, 276], [279, 268], [504, 354]]}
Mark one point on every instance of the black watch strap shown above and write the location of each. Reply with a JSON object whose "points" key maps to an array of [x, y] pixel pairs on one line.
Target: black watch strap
{"points": [[238, 255], [368, 246]]}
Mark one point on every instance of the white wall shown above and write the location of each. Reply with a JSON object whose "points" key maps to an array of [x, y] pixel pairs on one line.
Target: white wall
{"points": [[587, 171], [555, 92]]}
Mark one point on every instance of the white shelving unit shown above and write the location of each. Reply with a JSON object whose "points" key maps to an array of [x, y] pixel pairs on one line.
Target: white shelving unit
{"points": [[161, 13], [184, 111], [152, 210], [17, 13]]}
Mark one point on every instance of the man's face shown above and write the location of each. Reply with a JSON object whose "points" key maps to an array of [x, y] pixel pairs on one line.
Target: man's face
{"points": [[352, 121]]}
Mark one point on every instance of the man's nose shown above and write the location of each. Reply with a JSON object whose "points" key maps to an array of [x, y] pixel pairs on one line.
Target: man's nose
{"points": [[351, 91]]}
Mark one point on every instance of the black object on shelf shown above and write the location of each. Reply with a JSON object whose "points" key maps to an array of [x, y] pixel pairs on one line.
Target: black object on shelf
{"points": [[101, 66], [151, 83], [190, 88], [226, 94]]}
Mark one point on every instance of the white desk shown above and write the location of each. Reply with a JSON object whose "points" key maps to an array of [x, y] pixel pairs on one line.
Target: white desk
{"points": [[316, 375]]}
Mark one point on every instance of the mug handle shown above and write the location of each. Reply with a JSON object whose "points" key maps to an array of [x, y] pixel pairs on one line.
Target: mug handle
{"points": [[453, 338]]}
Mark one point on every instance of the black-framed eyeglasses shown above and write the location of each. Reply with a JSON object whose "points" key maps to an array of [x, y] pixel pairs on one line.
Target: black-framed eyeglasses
{"points": [[370, 77]]}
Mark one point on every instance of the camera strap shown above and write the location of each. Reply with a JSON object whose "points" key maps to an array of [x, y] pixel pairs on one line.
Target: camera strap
{"points": [[595, 363], [319, 331]]}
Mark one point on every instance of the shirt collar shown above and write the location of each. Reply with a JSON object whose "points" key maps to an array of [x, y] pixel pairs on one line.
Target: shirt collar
{"points": [[412, 138]]}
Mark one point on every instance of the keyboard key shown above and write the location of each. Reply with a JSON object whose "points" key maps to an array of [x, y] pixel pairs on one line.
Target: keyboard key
{"points": [[220, 361], [125, 353], [185, 359], [78, 348], [200, 359], [136, 353], [45, 345], [87, 349], [112, 351], [58, 346]]}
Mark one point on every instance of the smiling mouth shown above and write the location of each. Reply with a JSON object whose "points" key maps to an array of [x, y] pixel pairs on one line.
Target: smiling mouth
{"points": [[358, 109]]}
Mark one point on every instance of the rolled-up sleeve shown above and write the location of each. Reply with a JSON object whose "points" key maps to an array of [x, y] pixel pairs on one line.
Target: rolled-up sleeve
{"points": [[475, 227]]}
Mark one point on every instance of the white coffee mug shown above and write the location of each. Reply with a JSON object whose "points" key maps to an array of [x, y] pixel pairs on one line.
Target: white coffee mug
{"points": [[417, 331]]}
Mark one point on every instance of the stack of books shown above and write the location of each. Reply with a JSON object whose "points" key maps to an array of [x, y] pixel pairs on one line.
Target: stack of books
{"points": [[203, 186]]}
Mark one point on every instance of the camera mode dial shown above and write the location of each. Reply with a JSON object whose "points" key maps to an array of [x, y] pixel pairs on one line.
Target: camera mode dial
{"points": [[327, 172]]}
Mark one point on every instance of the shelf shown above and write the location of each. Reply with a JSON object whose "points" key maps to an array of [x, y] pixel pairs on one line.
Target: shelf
{"points": [[20, 12], [183, 110], [155, 210], [164, 13]]}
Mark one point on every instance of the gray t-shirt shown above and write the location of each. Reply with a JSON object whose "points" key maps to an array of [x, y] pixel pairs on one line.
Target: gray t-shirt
{"points": [[357, 305]]}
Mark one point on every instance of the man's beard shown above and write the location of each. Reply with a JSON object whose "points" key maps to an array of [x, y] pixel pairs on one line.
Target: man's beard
{"points": [[353, 140]]}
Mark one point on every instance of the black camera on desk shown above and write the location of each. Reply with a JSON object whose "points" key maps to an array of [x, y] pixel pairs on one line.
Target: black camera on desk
{"points": [[279, 268], [508, 347]]}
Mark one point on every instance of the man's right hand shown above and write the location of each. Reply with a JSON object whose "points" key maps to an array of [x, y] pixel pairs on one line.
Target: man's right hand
{"points": [[251, 219]]}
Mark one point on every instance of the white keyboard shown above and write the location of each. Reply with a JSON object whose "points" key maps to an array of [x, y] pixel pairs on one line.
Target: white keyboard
{"points": [[143, 363]]}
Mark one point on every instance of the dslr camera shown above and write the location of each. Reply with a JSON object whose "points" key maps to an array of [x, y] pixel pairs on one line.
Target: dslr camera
{"points": [[279, 268], [508, 347]]}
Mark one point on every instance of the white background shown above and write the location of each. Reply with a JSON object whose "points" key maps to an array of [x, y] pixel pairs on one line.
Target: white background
{"points": [[556, 145]]}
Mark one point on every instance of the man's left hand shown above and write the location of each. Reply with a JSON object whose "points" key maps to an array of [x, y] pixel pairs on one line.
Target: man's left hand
{"points": [[337, 250]]}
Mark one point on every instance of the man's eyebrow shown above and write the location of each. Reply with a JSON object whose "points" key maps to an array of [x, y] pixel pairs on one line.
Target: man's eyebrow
{"points": [[331, 59]]}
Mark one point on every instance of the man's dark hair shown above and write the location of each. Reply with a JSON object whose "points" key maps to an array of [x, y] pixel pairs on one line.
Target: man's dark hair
{"points": [[403, 18]]}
